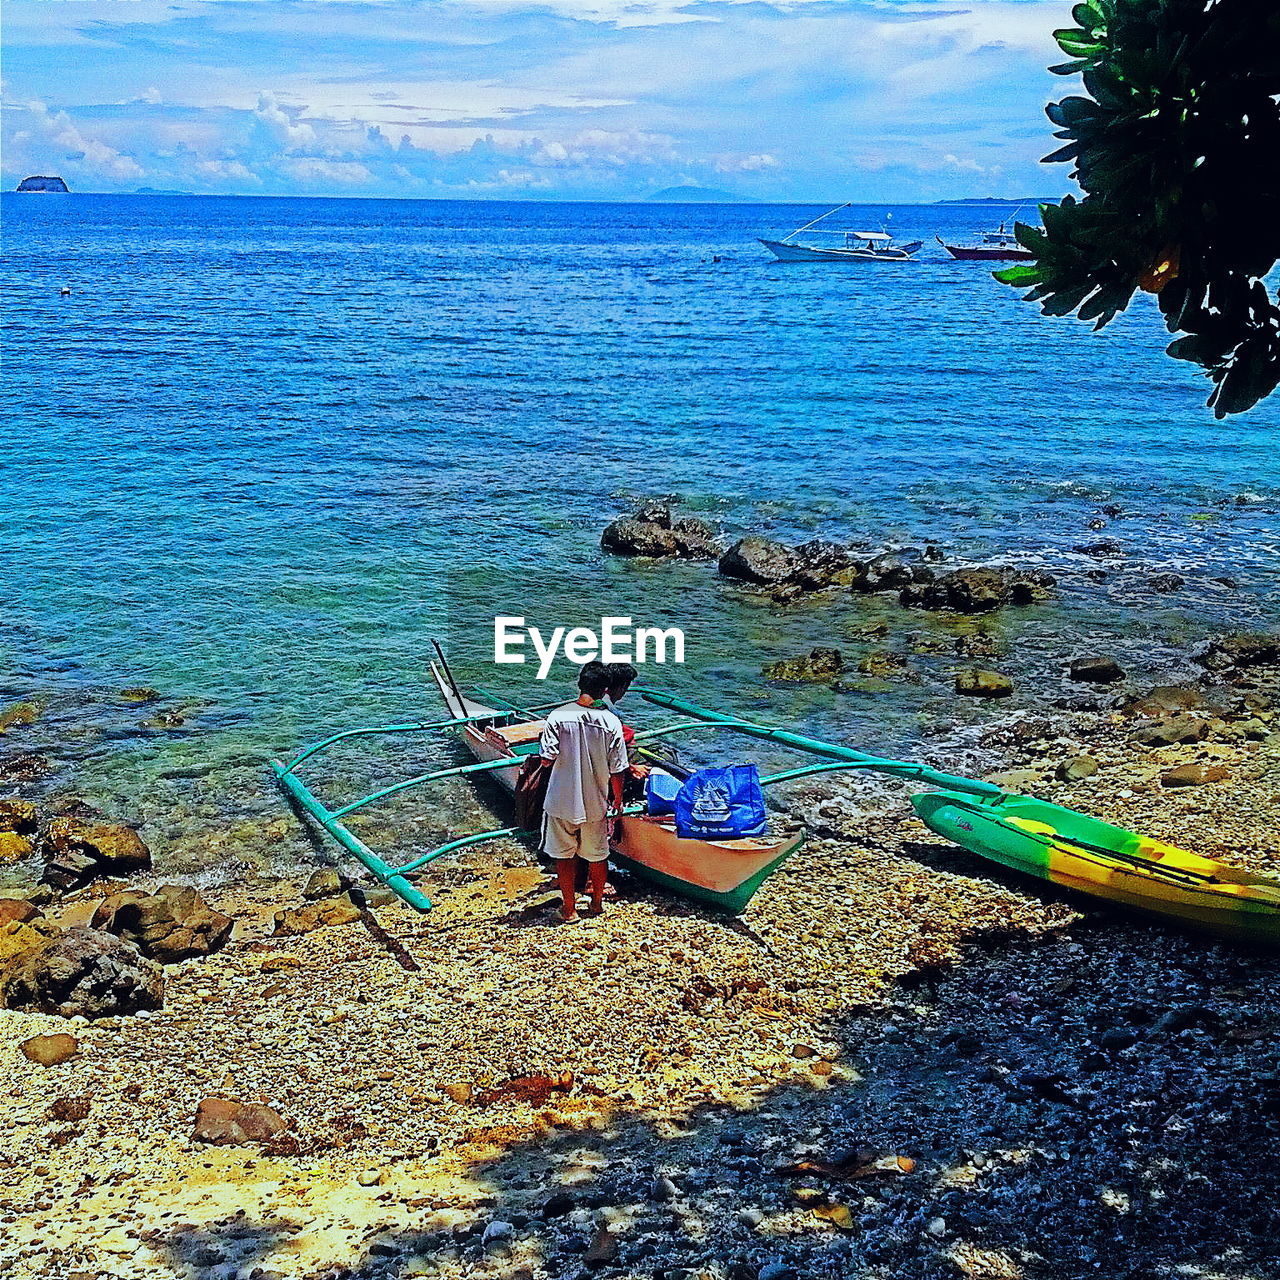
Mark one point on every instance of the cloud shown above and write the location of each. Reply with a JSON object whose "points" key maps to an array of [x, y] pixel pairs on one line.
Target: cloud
{"points": [[885, 99], [88, 155]]}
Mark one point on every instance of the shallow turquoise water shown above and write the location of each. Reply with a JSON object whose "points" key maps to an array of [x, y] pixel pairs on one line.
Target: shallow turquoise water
{"points": [[268, 447]]}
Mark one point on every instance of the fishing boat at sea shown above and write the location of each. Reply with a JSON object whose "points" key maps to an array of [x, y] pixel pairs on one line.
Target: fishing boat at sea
{"points": [[1032, 836], [854, 246], [1000, 245]]}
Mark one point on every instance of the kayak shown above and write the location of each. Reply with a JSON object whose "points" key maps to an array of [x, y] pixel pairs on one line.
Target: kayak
{"points": [[1106, 861]]}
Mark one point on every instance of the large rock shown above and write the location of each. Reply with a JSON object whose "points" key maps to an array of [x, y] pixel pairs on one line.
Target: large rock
{"points": [[77, 851], [1192, 775], [1240, 649], [821, 564], [85, 972], [225, 1122], [1171, 730], [49, 1051], [650, 531], [17, 937], [1099, 669], [755, 559], [18, 815], [820, 666], [983, 684], [316, 915], [1168, 699], [15, 847], [174, 923], [979, 590], [18, 910]]}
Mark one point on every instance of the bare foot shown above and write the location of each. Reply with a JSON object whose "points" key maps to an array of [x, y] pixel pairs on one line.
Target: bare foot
{"points": [[568, 915], [595, 909]]}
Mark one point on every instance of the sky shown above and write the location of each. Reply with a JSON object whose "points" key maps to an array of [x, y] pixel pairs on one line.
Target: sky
{"points": [[805, 100]]}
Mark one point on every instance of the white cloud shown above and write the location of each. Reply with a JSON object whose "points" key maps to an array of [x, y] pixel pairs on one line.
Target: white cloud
{"points": [[91, 156]]}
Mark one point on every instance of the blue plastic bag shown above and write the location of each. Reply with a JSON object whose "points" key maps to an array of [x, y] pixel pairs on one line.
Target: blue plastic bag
{"points": [[660, 791], [724, 803]]}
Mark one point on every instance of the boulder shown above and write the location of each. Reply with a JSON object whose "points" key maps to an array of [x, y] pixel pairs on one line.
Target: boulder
{"points": [[19, 715], [83, 972], [650, 531], [14, 847], [316, 915], [762, 560], [49, 1051], [26, 766], [1104, 547], [1168, 699], [224, 1122], [1166, 582], [1192, 775], [17, 937], [18, 911], [889, 573], [77, 851], [1240, 649], [324, 882], [1100, 669], [1077, 768], [979, 590], [174, 923], [976, 683], [18, 816], [1171, 730], [819, 666], [822, 564]]}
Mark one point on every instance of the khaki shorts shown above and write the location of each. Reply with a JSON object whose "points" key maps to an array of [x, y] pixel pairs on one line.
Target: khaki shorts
{"points": [[586, 840]]}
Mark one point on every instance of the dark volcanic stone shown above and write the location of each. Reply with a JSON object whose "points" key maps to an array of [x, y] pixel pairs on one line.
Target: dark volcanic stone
{"points": [[755, 559], [1102, 669]]}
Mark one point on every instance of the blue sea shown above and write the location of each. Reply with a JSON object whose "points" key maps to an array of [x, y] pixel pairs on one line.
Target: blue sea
{"points": [[267, 448]]}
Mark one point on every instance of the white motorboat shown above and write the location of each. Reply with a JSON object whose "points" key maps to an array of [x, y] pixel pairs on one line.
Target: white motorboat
{"points": [[853, 246]]}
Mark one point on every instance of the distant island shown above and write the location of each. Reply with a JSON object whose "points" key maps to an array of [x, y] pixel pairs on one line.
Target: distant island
{"points": [[160, 191], [1003, 200], [42, 182], [697, 195]]}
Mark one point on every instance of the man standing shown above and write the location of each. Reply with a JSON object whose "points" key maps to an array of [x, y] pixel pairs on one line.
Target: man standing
{"points": [[583, 744]]}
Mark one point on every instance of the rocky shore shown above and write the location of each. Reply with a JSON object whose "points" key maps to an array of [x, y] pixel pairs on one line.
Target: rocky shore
{"points": [[899, 1062]]}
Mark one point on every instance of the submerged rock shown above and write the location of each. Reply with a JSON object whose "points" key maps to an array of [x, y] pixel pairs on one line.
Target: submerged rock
{"points": [[822, 564], [977, 683], [1240, 649], [1166, 582], [19, 715], [979, 590], [1168, 699], [1102, 669], [84, 972], [174, 923], [77, 852], [819, 666]]}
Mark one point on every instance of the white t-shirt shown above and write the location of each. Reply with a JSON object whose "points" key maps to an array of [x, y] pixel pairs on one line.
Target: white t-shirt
{"points": [[587, 747]]}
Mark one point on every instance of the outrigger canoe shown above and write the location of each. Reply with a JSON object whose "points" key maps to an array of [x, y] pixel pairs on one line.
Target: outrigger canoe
{"points": [[1027, 835], [724, 874]]}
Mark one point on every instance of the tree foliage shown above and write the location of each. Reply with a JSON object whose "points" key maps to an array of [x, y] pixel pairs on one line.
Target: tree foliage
{"points": [[1177, 149]]}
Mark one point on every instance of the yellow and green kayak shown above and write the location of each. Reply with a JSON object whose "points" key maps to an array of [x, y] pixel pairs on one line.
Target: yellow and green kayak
{"points": [[1071, 849]]}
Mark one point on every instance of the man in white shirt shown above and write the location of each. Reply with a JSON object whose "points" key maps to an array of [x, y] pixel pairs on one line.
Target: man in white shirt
{"points": [[583, 743]]}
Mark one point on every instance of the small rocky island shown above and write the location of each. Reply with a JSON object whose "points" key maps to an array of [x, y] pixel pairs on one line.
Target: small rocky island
{"points": [[42, 182]]}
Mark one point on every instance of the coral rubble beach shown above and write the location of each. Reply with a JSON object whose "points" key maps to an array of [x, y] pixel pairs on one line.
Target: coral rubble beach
{"points": [[899, 1062]]}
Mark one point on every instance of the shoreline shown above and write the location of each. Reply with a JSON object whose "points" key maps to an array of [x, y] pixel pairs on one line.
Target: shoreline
{"points": [[411, 1148]]}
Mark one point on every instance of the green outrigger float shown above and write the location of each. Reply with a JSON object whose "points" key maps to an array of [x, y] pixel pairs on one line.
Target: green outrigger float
{"points": [[1032, 836]]}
